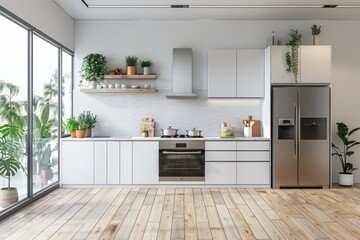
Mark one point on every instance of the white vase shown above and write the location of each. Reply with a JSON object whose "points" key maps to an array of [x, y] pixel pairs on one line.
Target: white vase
{"points": [[92, 85], [146, 70], [346, 180], [316, 39]]}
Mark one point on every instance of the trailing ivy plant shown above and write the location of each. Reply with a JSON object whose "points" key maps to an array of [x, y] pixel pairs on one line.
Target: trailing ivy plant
{"points": [[292, 55], [93, 68]]}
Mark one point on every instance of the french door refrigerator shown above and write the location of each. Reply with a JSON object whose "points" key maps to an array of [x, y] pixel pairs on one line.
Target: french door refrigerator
{"points": [[301, 136]]}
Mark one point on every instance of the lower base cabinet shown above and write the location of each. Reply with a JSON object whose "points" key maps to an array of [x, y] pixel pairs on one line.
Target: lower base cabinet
{"points": [[77, 166], [253, 173], [220, 172], [145, 162]]}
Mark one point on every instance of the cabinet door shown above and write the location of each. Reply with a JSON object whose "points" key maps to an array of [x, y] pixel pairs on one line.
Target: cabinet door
{"points": [[316, 64], [220, 156], [278, 66], [100, 162], [220, 172], [113, 166], [253, 156], [257, 173], [222, 73], [77, 162], [250, 73], [126, 163], [220, 145], [145, 162]]}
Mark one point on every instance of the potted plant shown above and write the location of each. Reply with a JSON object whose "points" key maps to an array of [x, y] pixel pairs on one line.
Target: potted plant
{"points": [[346, 177], [46, 164], [11, 152], [89, 119], [131, 62], [93, 69], [292, 54], [315, 30], [146, 66], [72, 125], [145, 133], [81, 131]]}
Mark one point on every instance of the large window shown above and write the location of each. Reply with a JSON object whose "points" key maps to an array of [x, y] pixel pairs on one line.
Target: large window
{"points": [[35, 74], [13, 114]]}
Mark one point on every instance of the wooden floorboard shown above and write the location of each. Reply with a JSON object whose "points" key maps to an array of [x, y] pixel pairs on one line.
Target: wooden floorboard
{"points": [[187, 213]]}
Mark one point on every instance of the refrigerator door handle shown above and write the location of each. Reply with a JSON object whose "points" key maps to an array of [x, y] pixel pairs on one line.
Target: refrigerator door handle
{"points": [[296, 133]]}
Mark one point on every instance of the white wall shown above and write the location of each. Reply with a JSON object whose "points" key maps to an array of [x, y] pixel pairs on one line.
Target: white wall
{"points": [[120, 114], [46, 16]]}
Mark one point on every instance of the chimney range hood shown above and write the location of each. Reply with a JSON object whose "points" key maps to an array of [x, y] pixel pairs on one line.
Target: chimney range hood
{"points": [[182, 74]]}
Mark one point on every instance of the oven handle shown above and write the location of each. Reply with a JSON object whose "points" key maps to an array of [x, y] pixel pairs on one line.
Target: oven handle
{"points": [[181, 153]]}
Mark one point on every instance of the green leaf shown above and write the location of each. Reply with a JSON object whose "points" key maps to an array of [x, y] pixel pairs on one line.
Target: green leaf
{"points": [[354, 130], [45, 113]]}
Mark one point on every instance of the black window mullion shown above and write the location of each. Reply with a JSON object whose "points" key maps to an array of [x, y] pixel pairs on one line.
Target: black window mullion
{"points": [[30, 115]]}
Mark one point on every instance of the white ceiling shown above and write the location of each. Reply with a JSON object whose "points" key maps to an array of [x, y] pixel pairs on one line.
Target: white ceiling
{"points": [[239, 10]]}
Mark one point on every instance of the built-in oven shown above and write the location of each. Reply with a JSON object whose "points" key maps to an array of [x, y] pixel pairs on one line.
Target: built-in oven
{"points": [[182, 160]]}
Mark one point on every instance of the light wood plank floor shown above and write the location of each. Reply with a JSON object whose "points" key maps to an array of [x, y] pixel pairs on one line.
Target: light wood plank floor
{"points": [[185, 213]]}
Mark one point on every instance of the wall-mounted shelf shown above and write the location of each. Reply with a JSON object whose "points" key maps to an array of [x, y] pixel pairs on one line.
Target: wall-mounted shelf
{"points": [[119, 90], [134, 77]]}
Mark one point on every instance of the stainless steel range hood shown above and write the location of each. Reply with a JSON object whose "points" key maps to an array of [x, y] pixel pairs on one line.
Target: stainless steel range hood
{"points": [[182, 74]]}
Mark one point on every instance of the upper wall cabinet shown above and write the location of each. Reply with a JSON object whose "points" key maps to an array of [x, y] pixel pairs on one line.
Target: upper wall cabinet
{"points": [[314, 66], [236, 73], [222, 73]]}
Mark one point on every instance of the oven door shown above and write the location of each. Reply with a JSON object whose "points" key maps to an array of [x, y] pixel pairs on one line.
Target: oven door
{"points": [[182, 165]]}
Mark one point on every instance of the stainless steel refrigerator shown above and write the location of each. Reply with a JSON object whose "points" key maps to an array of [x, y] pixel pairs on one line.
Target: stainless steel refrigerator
{"points": [[301, 136]]}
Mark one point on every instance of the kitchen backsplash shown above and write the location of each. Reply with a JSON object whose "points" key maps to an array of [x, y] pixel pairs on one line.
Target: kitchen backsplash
{"points": [[121, 114]]}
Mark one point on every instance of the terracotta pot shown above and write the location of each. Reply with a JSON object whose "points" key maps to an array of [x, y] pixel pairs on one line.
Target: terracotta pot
{"points": [[88, 132], [130, 70], [73, 133], [45, 176], [346, 179], [8, 197], [80, 133]]}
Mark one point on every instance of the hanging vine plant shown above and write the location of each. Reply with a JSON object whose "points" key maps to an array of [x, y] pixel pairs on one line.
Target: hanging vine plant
{"points": [[292, 55]]}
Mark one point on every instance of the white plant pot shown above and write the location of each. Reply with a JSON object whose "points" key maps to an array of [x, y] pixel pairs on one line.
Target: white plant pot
{"points": [[316, 39], [346, 180], [146, 70]]}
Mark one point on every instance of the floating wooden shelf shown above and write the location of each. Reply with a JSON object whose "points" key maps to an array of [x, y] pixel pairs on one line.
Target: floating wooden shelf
{"points": [[134, 77], [118, 90]]}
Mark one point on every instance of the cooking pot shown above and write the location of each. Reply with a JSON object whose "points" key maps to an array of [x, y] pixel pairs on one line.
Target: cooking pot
{"points": [[193, 133], [169, 131]]}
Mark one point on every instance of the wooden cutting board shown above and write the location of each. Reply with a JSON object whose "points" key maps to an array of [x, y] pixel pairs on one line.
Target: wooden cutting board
{"points": [[256, 128]]}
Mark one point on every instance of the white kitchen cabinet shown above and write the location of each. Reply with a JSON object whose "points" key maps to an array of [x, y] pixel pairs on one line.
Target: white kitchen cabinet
{"points": [[250, 73], [220, 145], [220, 172], [126, 163], [145, 162], [316, 64], [100, 159], [77, 162], [261, 156], [113, 162], [222, 73], [236, 73], [220, 156], [253, 173], [253, 145]]}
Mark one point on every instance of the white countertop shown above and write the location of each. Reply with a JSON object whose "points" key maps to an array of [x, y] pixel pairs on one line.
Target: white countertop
{"points": [[131, 138]]}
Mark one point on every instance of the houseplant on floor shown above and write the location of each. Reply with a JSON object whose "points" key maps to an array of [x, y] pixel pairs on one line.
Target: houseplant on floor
{"points": [[93, 69], [146, 66], [11, 146], [346, 177], [131, 62], [90, 120], [72, 125]]}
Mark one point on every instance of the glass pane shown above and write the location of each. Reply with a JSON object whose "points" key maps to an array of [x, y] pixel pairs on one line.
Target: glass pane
{"points": [[45, 107], [13, 102], [67, 88]]}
